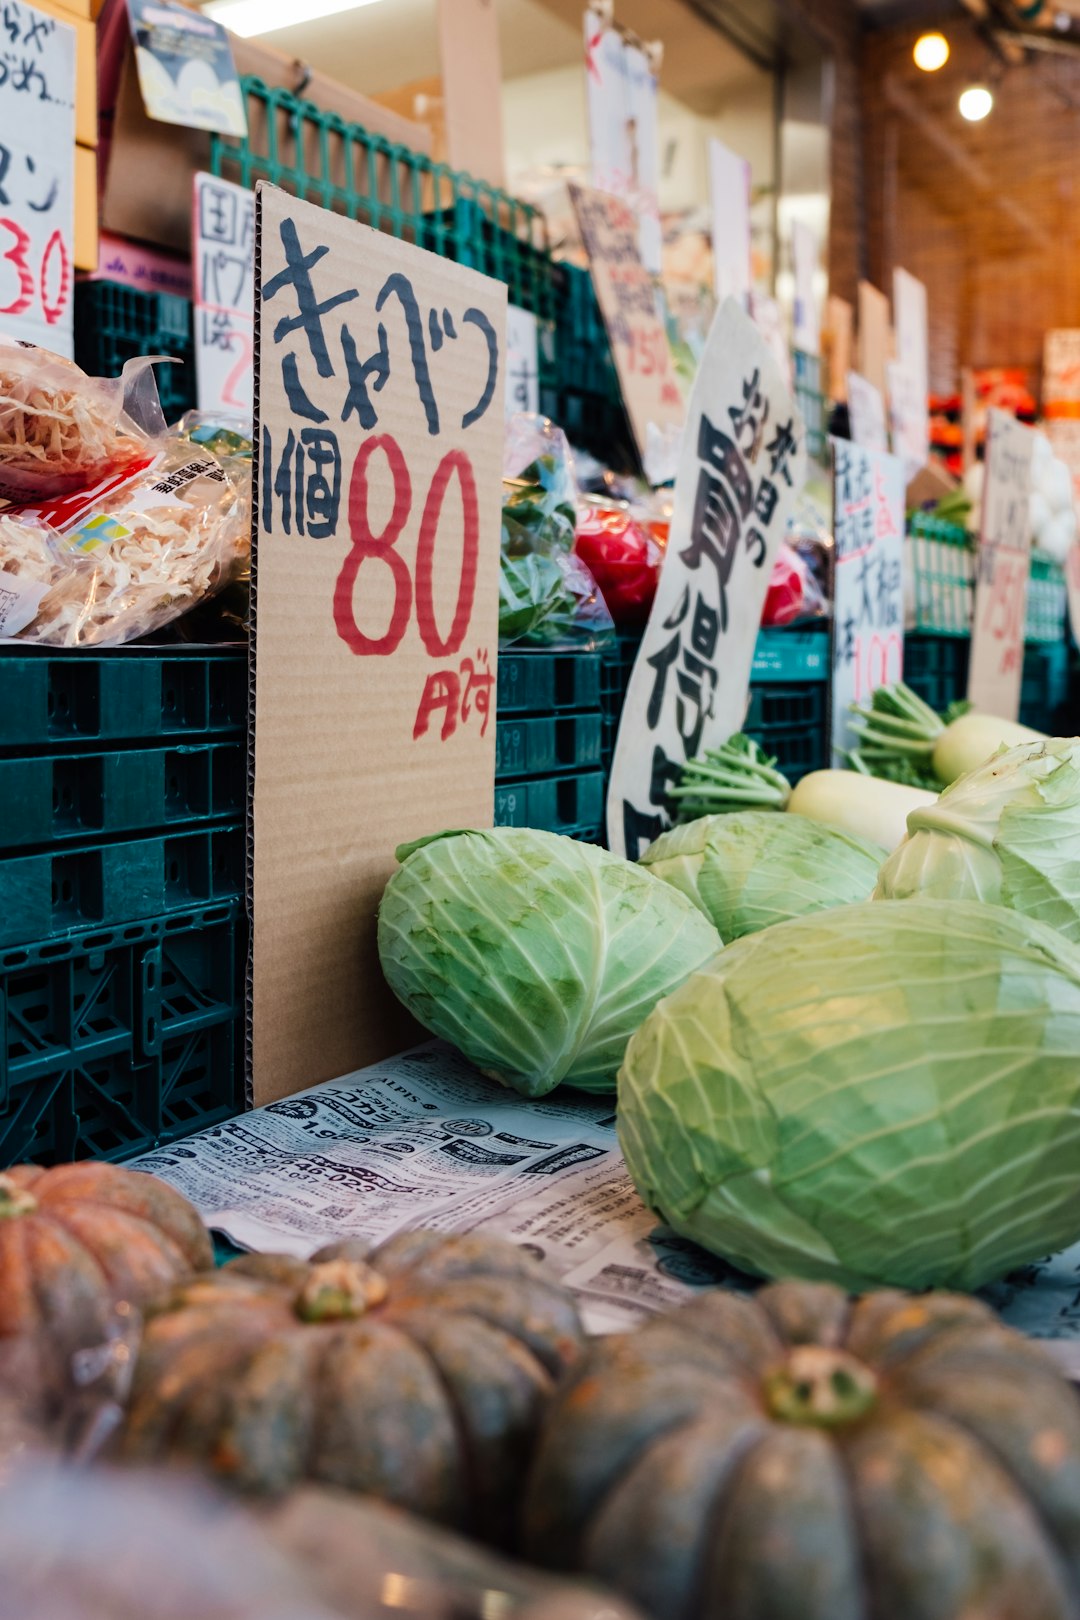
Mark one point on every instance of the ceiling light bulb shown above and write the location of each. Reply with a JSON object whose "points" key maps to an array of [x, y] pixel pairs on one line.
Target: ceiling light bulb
{"points": [[975, 103], [931, 52]]}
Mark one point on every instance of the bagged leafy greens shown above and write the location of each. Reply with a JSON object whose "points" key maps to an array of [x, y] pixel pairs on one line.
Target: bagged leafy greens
{"points": [[547, 596]]}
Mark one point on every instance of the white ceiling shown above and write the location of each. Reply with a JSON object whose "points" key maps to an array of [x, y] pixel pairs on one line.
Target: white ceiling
{"points": [[379, 47]]}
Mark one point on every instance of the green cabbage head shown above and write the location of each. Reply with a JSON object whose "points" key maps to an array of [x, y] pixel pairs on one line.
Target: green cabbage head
{"points": [[886, 1093], [754, 868], [536, 955], [1008, 833]]}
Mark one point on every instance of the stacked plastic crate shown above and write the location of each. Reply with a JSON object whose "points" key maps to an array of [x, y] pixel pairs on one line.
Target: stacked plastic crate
{"points": [[115, 323], [940, 582], [788, 709], [549, 742], [122, 936]]}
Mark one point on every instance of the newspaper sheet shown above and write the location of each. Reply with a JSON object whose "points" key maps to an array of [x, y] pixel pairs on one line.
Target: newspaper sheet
{"points": [[423, 1140]]}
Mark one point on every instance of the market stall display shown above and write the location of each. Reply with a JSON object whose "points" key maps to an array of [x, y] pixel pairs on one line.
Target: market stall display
{"points": [[800, 1455]]}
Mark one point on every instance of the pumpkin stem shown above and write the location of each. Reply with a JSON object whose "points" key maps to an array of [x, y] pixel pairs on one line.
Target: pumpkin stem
{"points": [[338, 1290], [15, 1200], [820, 1386]]}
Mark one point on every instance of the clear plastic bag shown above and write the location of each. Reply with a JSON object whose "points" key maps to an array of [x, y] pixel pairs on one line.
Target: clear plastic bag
{"points": [[61, 430], [547, 596], [100, 569]]}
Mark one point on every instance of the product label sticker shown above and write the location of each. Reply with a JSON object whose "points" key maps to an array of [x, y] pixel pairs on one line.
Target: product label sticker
{"points": [[19, 602]]}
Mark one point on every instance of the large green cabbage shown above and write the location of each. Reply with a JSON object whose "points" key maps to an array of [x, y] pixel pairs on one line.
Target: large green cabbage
{"points": [[749, 870], [1008, 833], [887, 1093], [536, 955]]}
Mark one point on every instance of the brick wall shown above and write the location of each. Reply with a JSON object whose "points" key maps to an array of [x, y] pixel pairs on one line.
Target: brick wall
{"points": [[988, 215], [834, 26]]}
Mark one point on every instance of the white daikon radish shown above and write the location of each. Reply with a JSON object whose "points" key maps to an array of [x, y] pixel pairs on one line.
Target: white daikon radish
{"points": [[863, 805], [903, 739]]}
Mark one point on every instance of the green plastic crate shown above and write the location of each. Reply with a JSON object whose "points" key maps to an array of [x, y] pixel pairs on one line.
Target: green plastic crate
{"points": [[572, 804], [810, 398], [542, 745], [936, 668], [78, 700], [790, 655], [116, 1041], [536, 682], [1047, 601], [322, 158], [115, 323], [55, 893], [939, 566], [1044, 693], [50, 798]]}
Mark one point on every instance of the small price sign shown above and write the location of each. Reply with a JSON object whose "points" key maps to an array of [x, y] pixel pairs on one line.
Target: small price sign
{"points": [[997, 631], [379, 426], [868, 588], [37, 177], [627, 299], [224, 273]]}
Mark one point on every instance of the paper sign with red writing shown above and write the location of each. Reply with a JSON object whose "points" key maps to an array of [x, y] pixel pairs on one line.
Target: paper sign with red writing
{"points": [[868, 582], [37, 177], [1001, 579], [223, 255], [379, 430], [627, 299], [742, 464]]}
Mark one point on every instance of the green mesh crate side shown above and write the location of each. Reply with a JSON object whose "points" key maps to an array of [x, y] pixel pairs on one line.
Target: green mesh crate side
{"points": [[115, 323], [571, 804], [810, 398], [324, 159], [1047, 601], [940, 565]]}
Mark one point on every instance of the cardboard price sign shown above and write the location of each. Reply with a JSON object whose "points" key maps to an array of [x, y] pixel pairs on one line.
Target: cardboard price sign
{"points": [[627, 300], [997, 631], [868, 582], [379, 428], [742, 464], [37, 178], [223, 234]]}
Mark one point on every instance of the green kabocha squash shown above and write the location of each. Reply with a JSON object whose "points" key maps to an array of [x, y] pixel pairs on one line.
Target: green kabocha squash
{"points": [[76, 1243], [793, 1455], [416, 1373]]}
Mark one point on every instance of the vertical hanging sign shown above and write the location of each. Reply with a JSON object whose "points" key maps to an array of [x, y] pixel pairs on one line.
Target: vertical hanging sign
{"points": [[804, 253], [379, 428], [729, 199], [639, 342], [866, 413], [37, 177], [223, 237], [622, 94], [868, 581], [1001, 578], [741, 466]]}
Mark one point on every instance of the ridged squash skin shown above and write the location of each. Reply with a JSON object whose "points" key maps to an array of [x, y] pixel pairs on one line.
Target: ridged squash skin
{"points": [[75, 1242], [416, 1374], [794, 1455]]}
